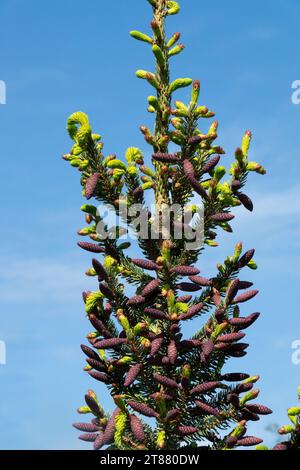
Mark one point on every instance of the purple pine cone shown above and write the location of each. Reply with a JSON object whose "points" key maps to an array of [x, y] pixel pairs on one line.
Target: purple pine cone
{"points": [[207, 347], [188, 287], [235, 377], [244, 260], [110, 343], [91, 184], [137, 428], [231, 337], [136, 300], [165, 381], [93, 405], [244, 322], [185, 270], [86, 427], [146, 264], [232, 290], [150, 288], [190, 174], [172, 415], [110, 250], [143, 409], [92, 247], [132, 374], [235, 185], [98, 442], [207, 409], [186, 430], [245, 296], [282, 446], [106, 291], [156, 344], [246, 201], [241, 388], [202, 281], [249, 441], [259, 409], [88, 437], [245, 285], [97, 365], [194, 310], [172, 352], [204, 388], [100, 376], [222, 217], [99, 326], [210, 164], [100, 270], [165, 158], [155, 313], [108, 435], [89, 352]]}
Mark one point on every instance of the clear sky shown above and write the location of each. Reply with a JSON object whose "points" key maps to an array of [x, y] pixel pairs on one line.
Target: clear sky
{"points": [[59, 57]]}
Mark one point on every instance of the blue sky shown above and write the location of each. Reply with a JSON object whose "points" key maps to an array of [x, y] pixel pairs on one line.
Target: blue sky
{"points": [[59, 57]]}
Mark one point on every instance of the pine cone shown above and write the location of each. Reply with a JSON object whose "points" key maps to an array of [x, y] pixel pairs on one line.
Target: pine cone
{"points": [[188, 287], [137, 428], [235, 377], [259, 409], [93, 405], [222, 217], [202, 281], [207, 409], [143, 409], [186, 430], [106, 291], [146, 264], [172, 415], [249, 441], [244, 322], [110, 343], [185, 270], [207, 347], [155, 313], [132, 374], [166, 381], [136, 300], [109, 433], [100, 376], [100, 327], [233, 290], [194, 310], [245, 259], [89, 437], [156, 344], [98, 442], [91, 184], [172, 352], [97, 365], [100, 270], [89, 352], [246, 201], [245, 296], [210, 164], [86, 427], [166, 158], [204, 388], [151, 288], [231, 337], [92, 247]]}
